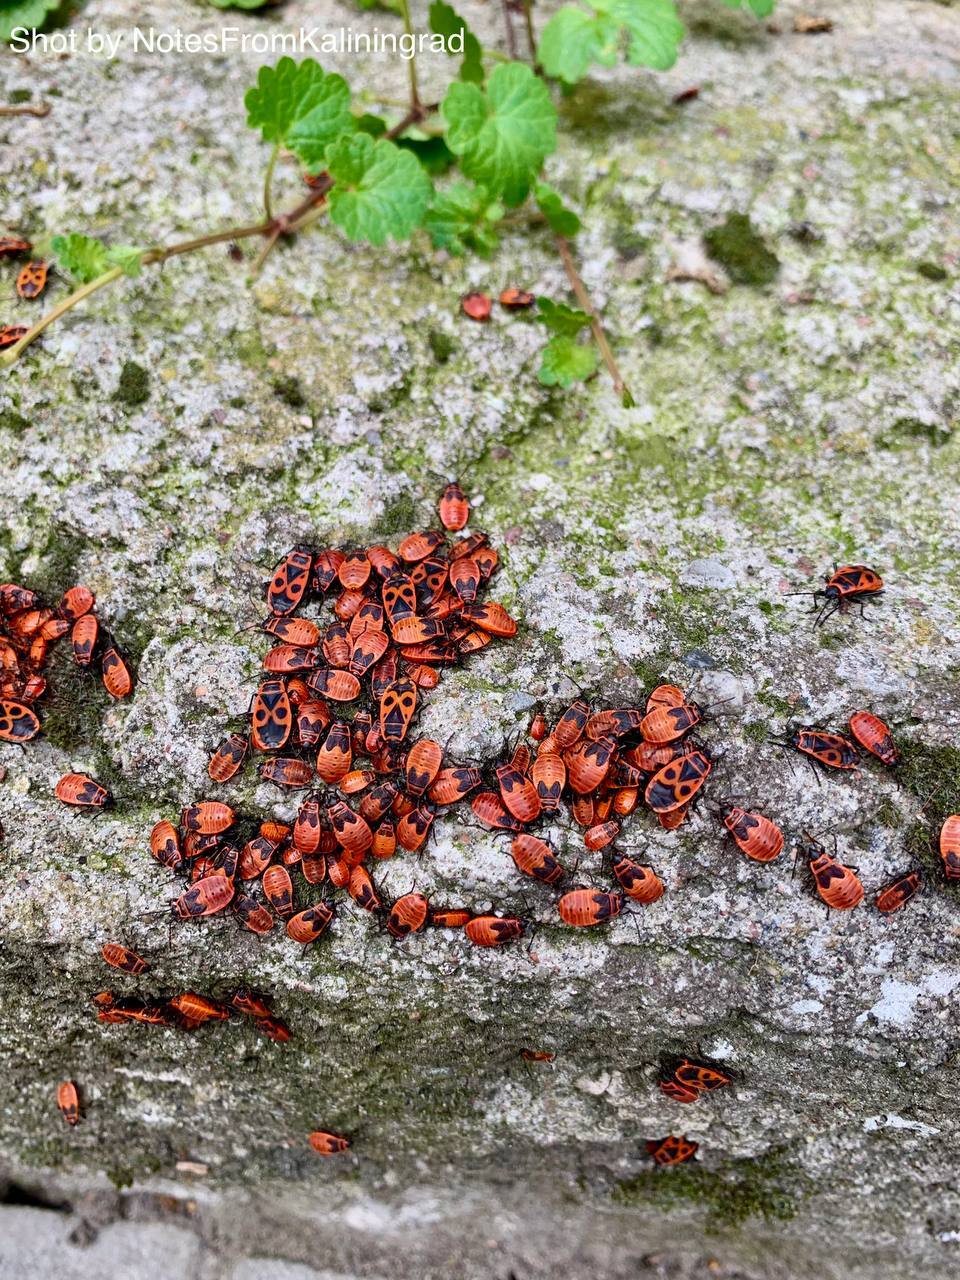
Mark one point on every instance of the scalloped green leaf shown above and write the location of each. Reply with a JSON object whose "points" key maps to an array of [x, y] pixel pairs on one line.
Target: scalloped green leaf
{"points": [[300, 106], [463, 217], [81, 256], [559, 218], [561, 319], [564, 361], [380, 191], [654, 31], [572, 40], [503, 134], [29, 14], [446, 22]]}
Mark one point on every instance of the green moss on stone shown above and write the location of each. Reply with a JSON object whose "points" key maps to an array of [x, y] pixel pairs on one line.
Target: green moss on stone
{"points": [[289, 389], [71, 713], [767, 698], [931, 271], [741, 251], [932, 774], [399, 516], [756, 731], [906, 429], [766, 1186], [12, 421], [441, 344], [888, 815], [133, 388]]}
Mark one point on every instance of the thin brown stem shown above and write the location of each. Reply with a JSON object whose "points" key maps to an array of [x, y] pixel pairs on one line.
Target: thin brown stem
{"points": [[511, 34], [40, 109], [531, 35], [583, 297], [268, 247], [268, 182], [411, 62], [202, 242]]}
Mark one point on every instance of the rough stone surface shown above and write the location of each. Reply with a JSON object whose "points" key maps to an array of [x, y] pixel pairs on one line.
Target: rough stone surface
{"points": [[777, 429], [36, 1243]]}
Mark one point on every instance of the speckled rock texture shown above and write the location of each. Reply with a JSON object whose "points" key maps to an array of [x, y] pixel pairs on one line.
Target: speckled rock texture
{"points": [[167, 442]]}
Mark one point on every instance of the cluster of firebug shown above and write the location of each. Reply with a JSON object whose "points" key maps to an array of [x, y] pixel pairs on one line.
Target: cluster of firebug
{"points": [[28, 630], [398, 619], [186, 1010]]}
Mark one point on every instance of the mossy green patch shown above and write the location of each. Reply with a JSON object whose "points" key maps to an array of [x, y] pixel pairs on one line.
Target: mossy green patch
{"points": [[766, 1186], [441, 345], [14, 422], [756, 731], [904, 430], [931, 271], [133, 389], [741, 251], [932, 774], [767, 698], [399, 516], [289, 389], [58, 551], [888, 815], [75, 703]]}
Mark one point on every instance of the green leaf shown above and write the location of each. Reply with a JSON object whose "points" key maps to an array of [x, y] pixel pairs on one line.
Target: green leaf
{"points": [[24, 13], [379, 191], [561, 319], [301, 107], [572, 40], [81, 256], [446, 22], [368, 123], [759, 8], [564, 361], [654, 31], [560, 219], [463, 217], [504, 134], [85, 258], [240, 4], [127, 256]]}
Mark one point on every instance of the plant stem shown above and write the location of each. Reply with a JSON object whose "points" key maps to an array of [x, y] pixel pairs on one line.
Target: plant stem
{"points": [[583, 297], [411, 62], [10, 357], [267, 249], [268, 181], [202, 242], [27, 109], [531, 37], [413, 116], [511, 34]]}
